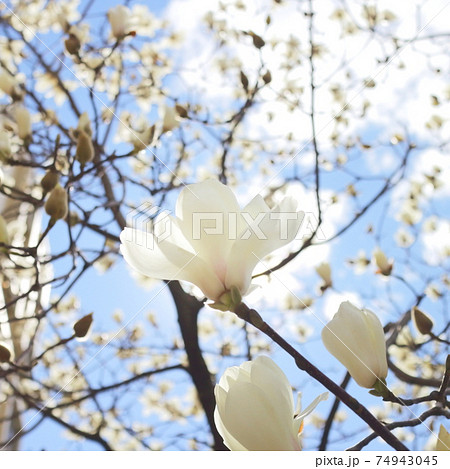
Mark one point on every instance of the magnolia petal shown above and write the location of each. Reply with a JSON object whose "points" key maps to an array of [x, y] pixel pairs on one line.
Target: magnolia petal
{"points": [[266, 234], [378, 342], [270, 378], [167, 261], [254, 420], [302, 414], [207, 212], [228, 439]]}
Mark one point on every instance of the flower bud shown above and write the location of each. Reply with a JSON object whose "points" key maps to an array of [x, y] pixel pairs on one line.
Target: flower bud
{"points": [[73, 218], [49, 181], [72, 44], [424, 324], [118, 19], [56, 205], [5, 145], [85, 148], [181, 111], [6, 354], [356, 338], [258, 41], [384, 266], [23, 120], [443, 441], [82, 327], [267, 77]]}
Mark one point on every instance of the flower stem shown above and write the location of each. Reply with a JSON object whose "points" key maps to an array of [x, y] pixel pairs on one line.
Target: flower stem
{"points": [[251, 316]]}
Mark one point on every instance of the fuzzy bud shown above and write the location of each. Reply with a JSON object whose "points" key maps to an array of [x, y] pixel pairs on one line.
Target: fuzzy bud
{"points": [[6, 354], [267, 77], [443, 441], [424, 324], [72, 44], [49, 181], [85, 148], [82, 327], [56, 205], [181, 111], [258, 41]]}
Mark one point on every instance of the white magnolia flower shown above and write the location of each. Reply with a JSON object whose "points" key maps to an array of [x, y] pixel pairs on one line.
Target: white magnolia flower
{"points": [[119, 18], [356, 338], [255, 408], [211, 242]]}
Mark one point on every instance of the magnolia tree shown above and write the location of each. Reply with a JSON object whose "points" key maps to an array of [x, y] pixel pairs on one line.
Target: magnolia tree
{"points": [[213, 207]]}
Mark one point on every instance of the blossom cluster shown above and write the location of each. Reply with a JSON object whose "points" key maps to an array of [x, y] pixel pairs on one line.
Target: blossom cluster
{"points": [[254, 402]]}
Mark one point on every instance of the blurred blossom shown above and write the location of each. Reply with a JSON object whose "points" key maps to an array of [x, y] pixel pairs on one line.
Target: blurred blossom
{"points": [[404, 238], [23, 120], [8, 83], [410, 213], [324, 272], [119, 20], [443, 441], [255, 408], [384, 265]]}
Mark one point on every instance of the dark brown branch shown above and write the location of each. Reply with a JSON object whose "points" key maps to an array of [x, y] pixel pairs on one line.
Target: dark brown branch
{"points": [[188, 308]]}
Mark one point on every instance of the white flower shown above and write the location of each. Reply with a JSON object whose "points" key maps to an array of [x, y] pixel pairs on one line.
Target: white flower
{"points": [[119, 20], [211, 242], [255, 408], [356, 338]]}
